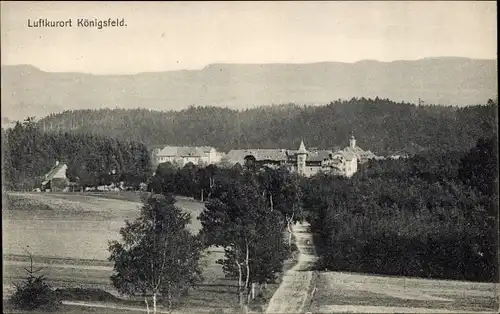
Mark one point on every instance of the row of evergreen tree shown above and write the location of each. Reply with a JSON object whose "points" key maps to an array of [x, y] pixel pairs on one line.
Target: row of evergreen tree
{"points": [[433, 215], [29, 153], [380, 125]]}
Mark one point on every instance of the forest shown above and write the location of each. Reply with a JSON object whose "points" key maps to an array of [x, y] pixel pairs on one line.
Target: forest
{"points": [[28, 154], [434, 215], [380, 125]]}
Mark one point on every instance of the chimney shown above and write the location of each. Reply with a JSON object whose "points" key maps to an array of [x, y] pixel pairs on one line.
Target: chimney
{"points": [[57, 162]]}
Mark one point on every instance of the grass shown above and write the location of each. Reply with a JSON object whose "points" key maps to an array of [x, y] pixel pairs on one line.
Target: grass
{"points": [[15, 202], [68, 234], [383, 291], [67, 309], [216, 292], [56, 260], [131, 196]]}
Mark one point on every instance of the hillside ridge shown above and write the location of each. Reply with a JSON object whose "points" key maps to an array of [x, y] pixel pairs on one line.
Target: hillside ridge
{"points": [[443, 81]]}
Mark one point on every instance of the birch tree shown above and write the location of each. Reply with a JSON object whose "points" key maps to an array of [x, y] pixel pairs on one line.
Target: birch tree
{"points": [[238, 219], [231, 220], [283, 193], [157, 258]]}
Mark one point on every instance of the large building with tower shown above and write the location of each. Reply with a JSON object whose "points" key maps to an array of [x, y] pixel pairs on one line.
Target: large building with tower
{"points": [[302, 161], [306, 162]]}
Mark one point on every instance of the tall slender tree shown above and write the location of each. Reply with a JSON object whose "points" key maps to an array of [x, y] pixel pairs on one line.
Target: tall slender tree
{"points": [[237, 218]]}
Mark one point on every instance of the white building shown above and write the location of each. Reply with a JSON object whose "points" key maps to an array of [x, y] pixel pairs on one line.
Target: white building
{"points": [[342, 162], [307, 162], [182, 155], [211, 155]]}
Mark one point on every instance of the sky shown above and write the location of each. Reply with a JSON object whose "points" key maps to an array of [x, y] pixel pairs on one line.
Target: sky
{"points": [[163, 36]]}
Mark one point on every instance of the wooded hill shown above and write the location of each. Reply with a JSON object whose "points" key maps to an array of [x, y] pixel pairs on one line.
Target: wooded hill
{"points": [[380, 125]]}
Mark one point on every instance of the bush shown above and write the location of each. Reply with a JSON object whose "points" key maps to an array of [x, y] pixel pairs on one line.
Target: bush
{"points": [[35, 293]]}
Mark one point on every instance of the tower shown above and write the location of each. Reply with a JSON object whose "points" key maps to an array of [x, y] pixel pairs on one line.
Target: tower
{"points": [[301, 159], [352, 142]]}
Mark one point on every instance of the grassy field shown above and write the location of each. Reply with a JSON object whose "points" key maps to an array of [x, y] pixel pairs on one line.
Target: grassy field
{"points": [[70, 309], [338, 292], [68, 235]]}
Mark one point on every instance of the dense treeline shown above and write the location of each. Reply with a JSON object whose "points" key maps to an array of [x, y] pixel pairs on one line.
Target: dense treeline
{"points": [[29, 153], [380, 125], [433, 215]]}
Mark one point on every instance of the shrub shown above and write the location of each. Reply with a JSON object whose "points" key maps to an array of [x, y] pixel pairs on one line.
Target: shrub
{"points": [[35, 293]]}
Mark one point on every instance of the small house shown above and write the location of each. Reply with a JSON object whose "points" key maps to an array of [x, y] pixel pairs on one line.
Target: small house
{"points": [[56, 180]]}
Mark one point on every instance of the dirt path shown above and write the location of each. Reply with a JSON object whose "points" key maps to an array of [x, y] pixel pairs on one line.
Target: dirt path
{"points": [[52, 266], [111, 306], [293, 293]]}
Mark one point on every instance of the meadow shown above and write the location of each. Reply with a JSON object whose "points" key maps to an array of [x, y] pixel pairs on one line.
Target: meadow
{"points": [[342, 292], [68, 235]]}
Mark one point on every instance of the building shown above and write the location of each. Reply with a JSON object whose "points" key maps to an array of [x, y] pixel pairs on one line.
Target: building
{"points": [[264, 157], [302, 161], [182, 155], [211, 155], [342, 161], [305, 162], [362, 155], [56, 180], [308, 162]]}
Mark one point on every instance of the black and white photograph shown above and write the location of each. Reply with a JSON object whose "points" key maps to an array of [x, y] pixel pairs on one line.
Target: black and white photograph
{"points": [[249, 157]]}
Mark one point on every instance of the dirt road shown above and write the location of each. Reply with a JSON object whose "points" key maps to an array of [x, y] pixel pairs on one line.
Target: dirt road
{"points": [[293, 293], [342, 292]]}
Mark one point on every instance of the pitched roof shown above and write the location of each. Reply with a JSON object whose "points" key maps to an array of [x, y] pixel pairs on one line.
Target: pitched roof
{"points": [[359, 152], [190, 152], [270, 154], [235, 156], [168, 151], [181, 151], [52, 172], [238, 155], [319, 155], [206, 149]]}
